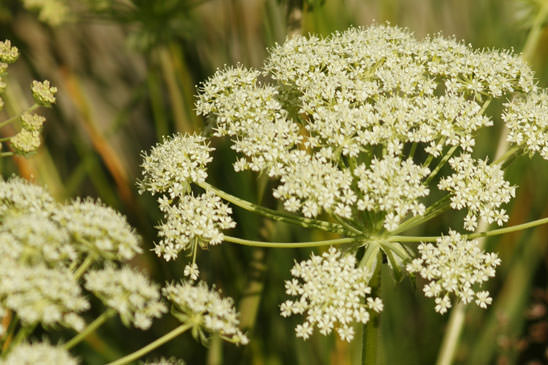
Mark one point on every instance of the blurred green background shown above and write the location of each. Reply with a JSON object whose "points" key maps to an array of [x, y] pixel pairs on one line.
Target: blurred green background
{"points": [[126, 73]]}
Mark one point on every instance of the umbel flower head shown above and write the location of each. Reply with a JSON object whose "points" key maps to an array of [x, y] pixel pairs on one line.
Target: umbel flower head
{"points": [[455, 267], [480, 187], [18, 196], [38, 353], [333, 294], [39, 294], [205, 310], [330, 116], [129, 292], [175, 163], [527, 120], [193, 221], [99, 230], [33, 239]]}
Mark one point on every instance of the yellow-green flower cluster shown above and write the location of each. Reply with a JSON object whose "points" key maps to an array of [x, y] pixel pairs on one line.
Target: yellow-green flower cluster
{"points": [[27, 140]]}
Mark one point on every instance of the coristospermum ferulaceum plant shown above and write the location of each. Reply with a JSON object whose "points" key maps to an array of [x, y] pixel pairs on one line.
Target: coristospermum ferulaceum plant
{"points": [[360, 130]]}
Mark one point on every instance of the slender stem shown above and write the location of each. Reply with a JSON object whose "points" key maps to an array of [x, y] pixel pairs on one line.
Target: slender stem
{"points": [[494, 232], [22, 334], [83, 267], [346, 224], [275, 214], [14, 118], [451, 338], [338, 241], [6, 154], [151, 346], [506, 156], [431, 212], [440, 164], [89, 329], [517, 227]]}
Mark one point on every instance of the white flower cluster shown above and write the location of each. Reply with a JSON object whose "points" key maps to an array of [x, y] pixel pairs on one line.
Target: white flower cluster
{"points": [[249, 112], [39, 294], [32, 239], [192, 221], [311, 184], [38, 353], [333, 294], [100, 229], [129, 292], [337, 109], [393, 186], [46, 247], [480, 187], [174, 164], [205, 309], [454, 266], [19, 197], [527, 122]]}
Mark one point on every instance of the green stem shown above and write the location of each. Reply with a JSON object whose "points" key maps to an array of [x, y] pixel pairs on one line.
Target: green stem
{"points": [[494, 232], [6, 154], [274, 214], [22, 334], [431, 212], [151, 346], [16, 117], [506, 156], [338, 241], [83, 267], [517, 227], [89, 329], [451, 338], [440, 164]]}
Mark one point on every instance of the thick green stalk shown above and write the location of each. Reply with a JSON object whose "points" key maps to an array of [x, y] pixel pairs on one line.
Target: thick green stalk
{"points": [[275, 214], [98, 322], [451, 338], [370, 336], [151, 346]]}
